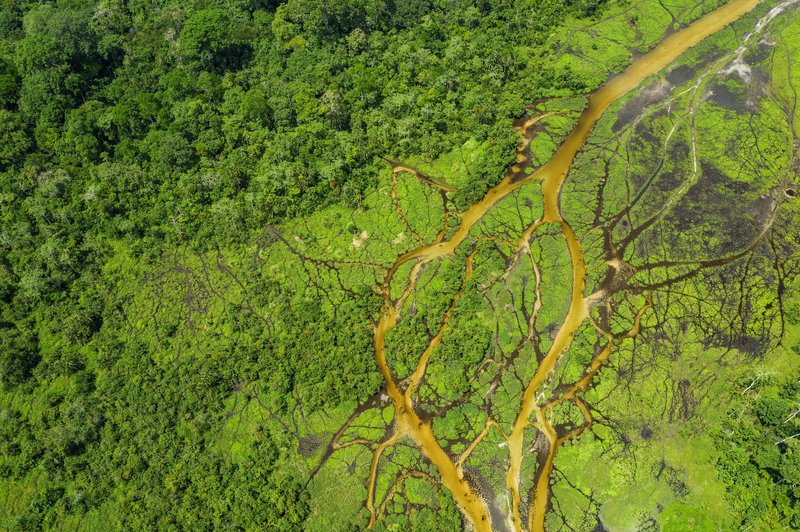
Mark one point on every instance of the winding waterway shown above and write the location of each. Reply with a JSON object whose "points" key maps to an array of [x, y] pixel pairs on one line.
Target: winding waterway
{"points": [[551, 177]]}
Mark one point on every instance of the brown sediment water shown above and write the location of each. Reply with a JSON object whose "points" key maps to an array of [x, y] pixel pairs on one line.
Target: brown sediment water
{"points": [[551, 176]]}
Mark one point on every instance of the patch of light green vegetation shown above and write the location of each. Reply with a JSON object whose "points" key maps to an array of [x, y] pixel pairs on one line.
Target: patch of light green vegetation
{"points": [[783, 44], [338, 492], [455, 168]]}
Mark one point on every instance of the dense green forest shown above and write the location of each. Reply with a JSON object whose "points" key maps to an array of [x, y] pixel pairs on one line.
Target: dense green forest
{"points": [[199, 201]]}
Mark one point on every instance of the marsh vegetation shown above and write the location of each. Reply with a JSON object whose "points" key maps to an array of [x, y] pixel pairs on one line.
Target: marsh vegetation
{"points": [[297, 265]]}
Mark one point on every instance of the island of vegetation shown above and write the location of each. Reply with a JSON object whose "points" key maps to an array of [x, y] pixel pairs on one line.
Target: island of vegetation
{"points": [[400, 265]]}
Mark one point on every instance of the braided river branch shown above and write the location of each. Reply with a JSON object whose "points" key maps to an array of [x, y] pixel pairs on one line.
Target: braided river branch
{"points": [[533, 408]]}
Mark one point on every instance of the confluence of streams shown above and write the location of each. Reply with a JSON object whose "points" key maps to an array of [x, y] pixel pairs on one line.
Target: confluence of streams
{"points": [[551, 175]]}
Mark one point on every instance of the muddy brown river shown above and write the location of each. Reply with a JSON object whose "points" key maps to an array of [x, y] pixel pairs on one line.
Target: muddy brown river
{"points": [[551, 177]]}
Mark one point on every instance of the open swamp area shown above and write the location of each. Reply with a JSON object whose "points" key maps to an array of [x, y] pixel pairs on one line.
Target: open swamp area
{"points": [[468, 265]]}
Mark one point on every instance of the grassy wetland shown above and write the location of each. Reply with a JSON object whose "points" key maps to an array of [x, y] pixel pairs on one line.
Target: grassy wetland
{"points": [[580, 312]]}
